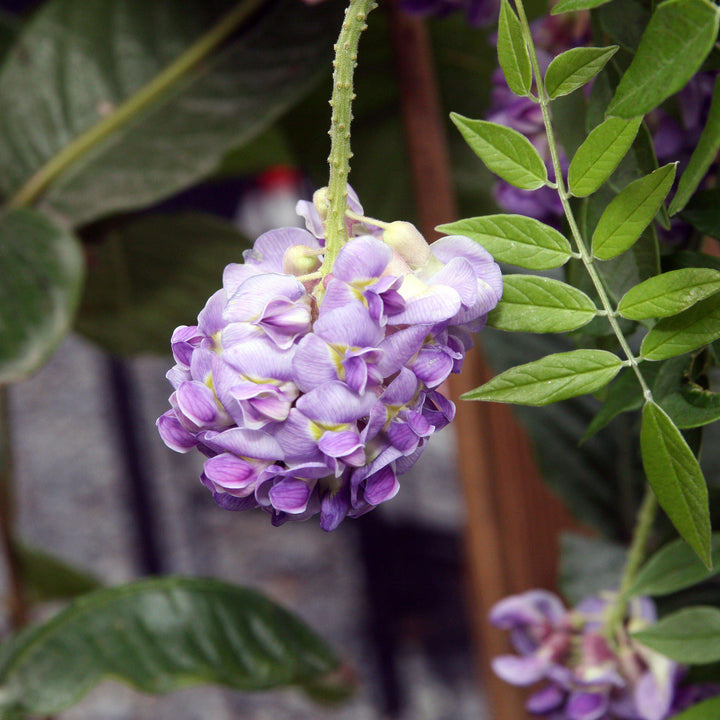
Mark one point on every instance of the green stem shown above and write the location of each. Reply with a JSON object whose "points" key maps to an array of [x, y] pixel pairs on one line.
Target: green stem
{"points": [[565, 200], [39, 182], [341, 104]]}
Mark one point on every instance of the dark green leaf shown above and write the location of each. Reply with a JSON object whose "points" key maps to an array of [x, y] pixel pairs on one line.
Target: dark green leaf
{"points": [[631, 212], [588, 566], [690, 330], [674, 567], [575, 68], [669, 293], [42, 273], [539, 304], [676, 479], [505, 151], [624, 22], [515, 239], [550, 379], [159, 635], [568, 118], [707, 710], [94, 113], [703, 212], [677, 39], [153, 274], [703, 155], [690, 636], [564, 6], [512, 52], [600, 154]]}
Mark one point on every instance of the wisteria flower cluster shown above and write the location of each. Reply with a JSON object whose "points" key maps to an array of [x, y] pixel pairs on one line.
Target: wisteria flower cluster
{"points": [[311, 393], [586, 678]]}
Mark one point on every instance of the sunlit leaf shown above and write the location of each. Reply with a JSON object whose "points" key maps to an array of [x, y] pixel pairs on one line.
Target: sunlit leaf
{"points": [[512, 51], [563, 6], [575, 68]]}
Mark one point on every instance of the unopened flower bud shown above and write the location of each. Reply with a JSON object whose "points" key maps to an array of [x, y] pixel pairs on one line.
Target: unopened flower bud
{"points": [[406, 240], [300, 260], [321, 201]]}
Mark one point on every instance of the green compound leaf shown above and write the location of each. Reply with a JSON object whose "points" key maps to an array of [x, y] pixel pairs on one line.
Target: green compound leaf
{"points": [[515, 239], [563, 6], [690, 636], [602, 151], [675, 567], [690, 330], [550, 379], [575, 68], [669, 293], [702, 157], [512, 51], [708, 710], [674, 45], [505, 151], [539, 304], [631, 212], [160, 635], [676, 479], [42, 274]]}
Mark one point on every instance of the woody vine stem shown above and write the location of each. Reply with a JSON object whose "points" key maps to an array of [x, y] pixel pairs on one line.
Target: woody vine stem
{"points": [[643, 528]]}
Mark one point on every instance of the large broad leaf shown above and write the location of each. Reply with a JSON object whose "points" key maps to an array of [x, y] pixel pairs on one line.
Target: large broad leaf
{"points": [[702, 157], [505, 151], [515, 239], [677, 39], [690, 330], [160, 635], [550, 379], [674, 567], [676, 479], [42, 272], [512, 51], [690, 636], [153, 274], [532, 303], [575, 67], [107, 97]]}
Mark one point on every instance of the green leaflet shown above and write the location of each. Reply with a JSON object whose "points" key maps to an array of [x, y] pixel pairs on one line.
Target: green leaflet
{"points": [[690, 330], [575, 68], [674, 567], [515, 239], [563, 6], [690, 636], [505, 151], [512, 52], [550, 379], [702, 157], [708, 710], [42, 275], [538, 304], [600, 154], [159, 635], [676, 479], [677, 39], [669, 293], [631, 212]]}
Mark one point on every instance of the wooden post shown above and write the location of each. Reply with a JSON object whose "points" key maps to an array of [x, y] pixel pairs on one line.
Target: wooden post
{"points": [[513, 520]]}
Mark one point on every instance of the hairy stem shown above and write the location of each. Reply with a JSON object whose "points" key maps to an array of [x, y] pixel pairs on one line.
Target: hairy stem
{"points": [[341, 104]]}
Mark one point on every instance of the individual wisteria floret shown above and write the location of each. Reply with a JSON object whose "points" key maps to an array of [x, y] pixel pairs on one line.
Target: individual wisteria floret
{"points": [[311, 394], [584, 677]]}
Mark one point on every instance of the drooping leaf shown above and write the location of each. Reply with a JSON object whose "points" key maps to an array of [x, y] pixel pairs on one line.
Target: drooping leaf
{"points": [[690, 636], [564, 6], [159, 635], [669, 293], [690, 330], [600, 154], [505, 151], [42, 274], [676, 479], [153, 274], [703, 155], [575, 68], [631, 212], [515, 239], [550, 379], [512, 51], [106, 116], [675, 567], [532, 303], [677, 39]]}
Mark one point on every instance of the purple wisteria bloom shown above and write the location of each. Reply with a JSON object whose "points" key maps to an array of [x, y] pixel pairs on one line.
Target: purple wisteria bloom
{"points": [[584, 677], [310, 393]]}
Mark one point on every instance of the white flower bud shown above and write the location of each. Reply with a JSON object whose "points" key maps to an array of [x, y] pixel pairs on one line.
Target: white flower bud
{"points": [[300, 260], [405, 239]]}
